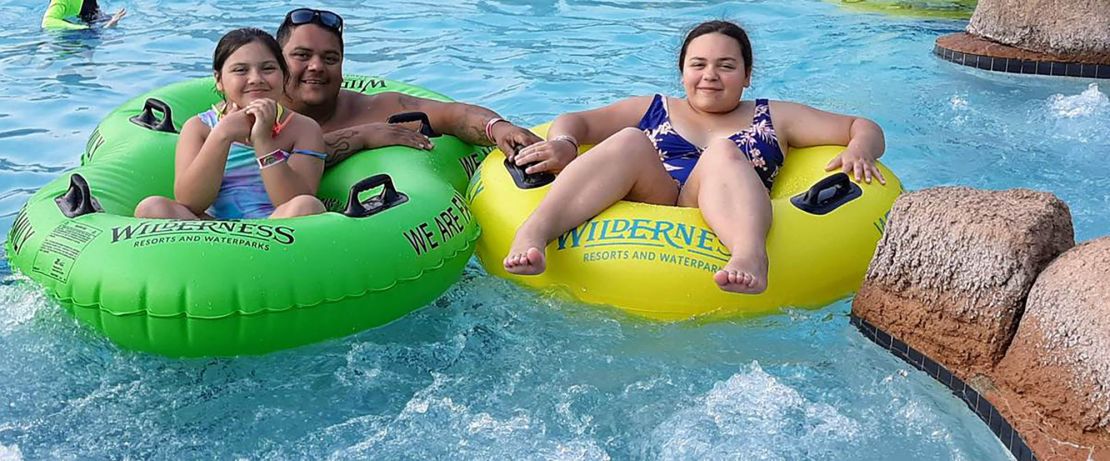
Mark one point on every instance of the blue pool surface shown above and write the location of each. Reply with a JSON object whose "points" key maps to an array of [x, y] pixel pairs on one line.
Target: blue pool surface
{"points": [[491, 370]]}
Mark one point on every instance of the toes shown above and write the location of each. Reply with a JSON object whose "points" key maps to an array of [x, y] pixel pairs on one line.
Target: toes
{"points": [[746, 279], [527, 262], [737, 281], [533, 256], [721, 278]]}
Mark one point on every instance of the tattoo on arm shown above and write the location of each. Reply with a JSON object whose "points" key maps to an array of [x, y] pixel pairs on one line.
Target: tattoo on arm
{"points": [[472, 125], [339, 146], [467, 124], [408, 102]]}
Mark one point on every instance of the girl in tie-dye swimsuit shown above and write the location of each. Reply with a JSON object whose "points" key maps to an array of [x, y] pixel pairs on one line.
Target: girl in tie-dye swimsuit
{"points": [[243, 193], [247, 157], [639, 155]]}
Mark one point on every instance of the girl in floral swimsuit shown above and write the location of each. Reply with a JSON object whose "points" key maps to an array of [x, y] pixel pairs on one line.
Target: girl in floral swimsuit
{"points": [[679, 156], [710, 150]]}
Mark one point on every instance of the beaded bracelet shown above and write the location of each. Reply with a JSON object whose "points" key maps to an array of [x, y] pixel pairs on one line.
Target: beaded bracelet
{"points": [[273, 158]]}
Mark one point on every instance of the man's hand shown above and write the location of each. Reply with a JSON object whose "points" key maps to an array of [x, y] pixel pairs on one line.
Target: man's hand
{"points": [[509, 137], [378, 134]]}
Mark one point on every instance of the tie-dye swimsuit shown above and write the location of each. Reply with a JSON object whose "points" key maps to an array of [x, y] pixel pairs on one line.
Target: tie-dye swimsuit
{"points": [[679, 156], [242, 192]]}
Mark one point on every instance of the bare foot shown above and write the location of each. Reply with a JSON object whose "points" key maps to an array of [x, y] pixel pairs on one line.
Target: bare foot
{"points": [[744, 274], [527, 262]]}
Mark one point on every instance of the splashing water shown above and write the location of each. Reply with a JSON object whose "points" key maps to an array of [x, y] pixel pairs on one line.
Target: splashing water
{"points": [[491, 370], [1090, 103]]}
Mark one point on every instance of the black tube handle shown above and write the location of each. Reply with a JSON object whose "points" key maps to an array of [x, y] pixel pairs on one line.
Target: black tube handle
{"points": [[147, 119], [406, 117], [523, 179], [78, 199], [389, 197], [827, 194]]}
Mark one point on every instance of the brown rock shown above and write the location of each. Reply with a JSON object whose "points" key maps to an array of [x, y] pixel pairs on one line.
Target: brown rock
{"points": [[974, 44], [953, 268], [1056, 375], [1062, 27]]}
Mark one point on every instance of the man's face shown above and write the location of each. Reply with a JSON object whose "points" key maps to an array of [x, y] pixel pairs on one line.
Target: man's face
{"points": [[315, 65]]}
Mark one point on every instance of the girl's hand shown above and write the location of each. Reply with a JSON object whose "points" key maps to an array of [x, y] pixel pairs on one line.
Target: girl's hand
{"points": [[264, 112], [549, 156], [856, 163], [235, 125]]}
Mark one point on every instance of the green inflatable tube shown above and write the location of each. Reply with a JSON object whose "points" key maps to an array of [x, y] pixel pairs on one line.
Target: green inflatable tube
{"points": [[221, 288]]}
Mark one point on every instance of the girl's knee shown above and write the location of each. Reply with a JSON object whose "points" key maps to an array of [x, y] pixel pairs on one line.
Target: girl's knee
{"points": [[631, 136], [154, 207], [302, 205], [723, 149], [632, 142]]}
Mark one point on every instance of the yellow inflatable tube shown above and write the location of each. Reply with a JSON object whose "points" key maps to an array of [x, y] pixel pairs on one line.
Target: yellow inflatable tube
{"points": [[658, 261]]}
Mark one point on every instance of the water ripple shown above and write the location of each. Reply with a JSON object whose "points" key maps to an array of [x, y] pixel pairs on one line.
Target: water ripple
{"points": [[8, 165], [491, 370], [21, 132]]}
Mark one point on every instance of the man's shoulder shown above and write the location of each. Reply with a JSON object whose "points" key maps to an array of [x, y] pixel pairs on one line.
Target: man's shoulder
{"points": [[360, 108], [356, 97]]}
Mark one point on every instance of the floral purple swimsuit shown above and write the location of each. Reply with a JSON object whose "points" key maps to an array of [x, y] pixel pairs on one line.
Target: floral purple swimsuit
{"points": [[679, 156]]}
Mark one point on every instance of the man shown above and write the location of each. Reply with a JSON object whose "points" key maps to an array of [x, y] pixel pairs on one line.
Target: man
{"points": [[312, 42]]}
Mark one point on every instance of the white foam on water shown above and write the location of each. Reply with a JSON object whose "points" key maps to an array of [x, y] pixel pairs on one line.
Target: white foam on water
{"points": [[757, 415], [463, 431], [1091, 102], [957, 102], [11, 453], [19, 302], [959, 106], [1078, 118]]}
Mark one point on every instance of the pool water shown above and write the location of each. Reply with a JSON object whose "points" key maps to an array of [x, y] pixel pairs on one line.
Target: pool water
{"points": [[491, 370]]}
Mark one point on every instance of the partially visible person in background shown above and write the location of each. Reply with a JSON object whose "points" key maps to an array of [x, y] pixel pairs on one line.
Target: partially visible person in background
{"points": [[78, 14]]}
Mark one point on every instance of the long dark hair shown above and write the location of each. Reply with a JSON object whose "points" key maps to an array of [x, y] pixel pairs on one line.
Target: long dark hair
{"points": [[720, 27], [90, 11], [235, 39]]}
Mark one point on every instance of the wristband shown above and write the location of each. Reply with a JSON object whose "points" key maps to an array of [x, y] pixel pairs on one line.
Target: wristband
{"points": [[489, 127], [273, 158], [567, 138]]}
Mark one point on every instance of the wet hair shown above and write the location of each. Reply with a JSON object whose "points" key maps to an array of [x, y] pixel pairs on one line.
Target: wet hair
{"points": [[286, 29], [235, 39], [90, 11], [720, 27]]}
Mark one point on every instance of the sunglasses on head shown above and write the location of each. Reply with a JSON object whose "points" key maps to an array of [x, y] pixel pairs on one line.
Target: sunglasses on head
{"points": [[324, 18]]}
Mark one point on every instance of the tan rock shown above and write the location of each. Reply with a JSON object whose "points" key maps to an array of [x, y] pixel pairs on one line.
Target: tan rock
{"points": [[1062, 27], [1057, 371], [952, 270]]}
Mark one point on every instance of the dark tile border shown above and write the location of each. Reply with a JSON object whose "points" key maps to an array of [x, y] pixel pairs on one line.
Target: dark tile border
{"points": [[1024, 66], [983, 408]]}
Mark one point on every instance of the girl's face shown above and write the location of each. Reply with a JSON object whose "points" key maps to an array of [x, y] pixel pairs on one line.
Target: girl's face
{"points": [[250, 73], [714, 74]]}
